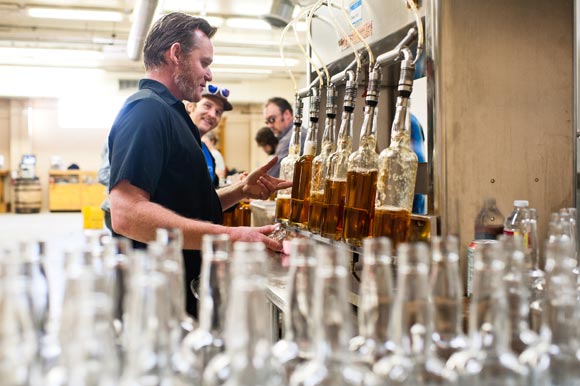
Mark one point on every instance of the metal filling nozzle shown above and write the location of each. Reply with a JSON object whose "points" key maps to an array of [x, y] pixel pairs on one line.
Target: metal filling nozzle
{"points": [[331, 101], [314, 104], [374, 86], [350, 91], [407, 74], [298, 110]]}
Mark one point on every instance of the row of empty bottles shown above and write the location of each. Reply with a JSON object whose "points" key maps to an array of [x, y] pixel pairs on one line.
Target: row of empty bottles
{"points": [[123, 323], [341, 194]]}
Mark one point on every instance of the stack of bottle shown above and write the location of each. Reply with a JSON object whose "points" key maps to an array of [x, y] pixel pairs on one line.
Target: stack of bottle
{"points": [[122, 320]]}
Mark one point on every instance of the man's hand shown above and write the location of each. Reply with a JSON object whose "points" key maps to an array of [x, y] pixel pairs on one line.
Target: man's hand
{"points": [[253, 234], [258, 184]]}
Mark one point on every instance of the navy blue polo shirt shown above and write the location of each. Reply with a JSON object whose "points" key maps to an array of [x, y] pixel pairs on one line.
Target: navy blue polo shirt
{"points": [[155, 146]]}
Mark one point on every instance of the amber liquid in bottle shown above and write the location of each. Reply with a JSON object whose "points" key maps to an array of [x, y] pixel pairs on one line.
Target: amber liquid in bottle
{"points": [[243, 214], [392, 221], [283, 207], [301, 191], [333, 209], [359, 207], [315, 211]]}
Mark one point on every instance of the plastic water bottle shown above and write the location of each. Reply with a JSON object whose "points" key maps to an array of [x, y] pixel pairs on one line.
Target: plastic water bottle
{"points": [[513, 222]]}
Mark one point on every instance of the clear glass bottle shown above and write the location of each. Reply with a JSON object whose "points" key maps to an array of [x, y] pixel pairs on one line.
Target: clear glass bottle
{"points": [[18, 336], [397, 169], [319, 165], [489, 360], [207, 340], [332, 325], [413, 361], [447, 297], [296, 346], [518, 293], [247, 360], [562, 312], [489, 221], [337, 167], [300, 197], [396, 181], [148, 343], [287, 167], [363, 169], [375, 302]]}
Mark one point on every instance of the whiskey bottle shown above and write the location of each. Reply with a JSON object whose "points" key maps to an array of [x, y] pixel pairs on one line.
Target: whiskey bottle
{"points": [[397, 170], [337, 167], [300, 197], [363, 169], [283, 196], [319, 165]]}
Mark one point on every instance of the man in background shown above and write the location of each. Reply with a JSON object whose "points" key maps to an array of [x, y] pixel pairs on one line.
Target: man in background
{"points": [[279, 117], [266, 139], [206, 115]]}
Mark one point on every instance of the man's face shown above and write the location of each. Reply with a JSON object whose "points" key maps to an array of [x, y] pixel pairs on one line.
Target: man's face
{"points": [[275, 119], [193, 69], [207, 114]]}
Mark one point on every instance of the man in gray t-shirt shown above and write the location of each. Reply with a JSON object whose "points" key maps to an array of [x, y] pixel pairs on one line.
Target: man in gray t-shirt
{"points": [[279, 117]]}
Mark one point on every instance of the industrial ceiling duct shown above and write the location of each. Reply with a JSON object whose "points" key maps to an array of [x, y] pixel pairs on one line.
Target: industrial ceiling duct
{"points": [[142, 18], [280, 13]]}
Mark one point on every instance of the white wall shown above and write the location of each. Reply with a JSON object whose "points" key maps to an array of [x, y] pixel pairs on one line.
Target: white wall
{"points": [[68, 112]]}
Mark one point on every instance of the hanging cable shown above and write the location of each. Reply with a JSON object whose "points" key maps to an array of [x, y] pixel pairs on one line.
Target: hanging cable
{"points": [[420, 33]]}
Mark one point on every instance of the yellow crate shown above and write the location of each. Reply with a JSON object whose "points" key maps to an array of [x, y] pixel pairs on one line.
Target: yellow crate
{"points": [[93, 217]]}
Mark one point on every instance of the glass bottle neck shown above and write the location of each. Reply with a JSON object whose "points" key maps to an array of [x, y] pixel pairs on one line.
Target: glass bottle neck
{"points": [[344, 141], [328, 136], [310, 145], [213, 295], [400, 130], [294, 148], [367, 133]]}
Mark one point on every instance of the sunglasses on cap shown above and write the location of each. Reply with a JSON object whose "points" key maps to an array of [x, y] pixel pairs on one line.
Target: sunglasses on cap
{"points": [[214, 90]]}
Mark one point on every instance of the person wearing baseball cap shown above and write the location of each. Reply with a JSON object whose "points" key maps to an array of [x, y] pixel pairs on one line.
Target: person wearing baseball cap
{"points": [[206, 115]]}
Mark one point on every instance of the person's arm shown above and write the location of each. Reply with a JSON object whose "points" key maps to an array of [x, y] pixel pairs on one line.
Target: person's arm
{"points": [[258, 184], [137, 218]]}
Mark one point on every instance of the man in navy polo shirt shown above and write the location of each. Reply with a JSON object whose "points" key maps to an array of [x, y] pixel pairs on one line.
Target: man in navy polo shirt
{"points": [[159, 177]]}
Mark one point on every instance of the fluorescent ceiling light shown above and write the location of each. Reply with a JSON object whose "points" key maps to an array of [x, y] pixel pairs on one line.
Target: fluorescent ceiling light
{"points": [[214, 20], [50, 57], [247, 23], [261, 61], [241, 71], [75, 14]]}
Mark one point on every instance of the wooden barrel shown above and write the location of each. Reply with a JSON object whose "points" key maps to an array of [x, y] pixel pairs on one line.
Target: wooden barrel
{"points": [[27, 195]]}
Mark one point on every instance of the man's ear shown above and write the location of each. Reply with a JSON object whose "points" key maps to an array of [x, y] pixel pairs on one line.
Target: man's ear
{"points": [[174, 53]]}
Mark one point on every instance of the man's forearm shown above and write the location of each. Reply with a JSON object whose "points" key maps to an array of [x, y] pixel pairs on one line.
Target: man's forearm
{"points": [[231, 195]]}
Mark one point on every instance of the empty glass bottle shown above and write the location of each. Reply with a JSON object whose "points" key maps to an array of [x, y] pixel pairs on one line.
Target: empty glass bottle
{"points": [[363, 169], [447, 297], [337, 167], [488, 361], [287, 167], [562, 311], [319, 165], [413, 361], [397, 169], [518, 293], [18, 336], [206, 341], [296, 346], [375, 302], [331, 364], [300, 197], [248, 357], [148, 331]]}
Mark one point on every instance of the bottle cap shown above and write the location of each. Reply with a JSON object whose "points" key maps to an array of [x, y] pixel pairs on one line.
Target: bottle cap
{"points": [[521, 203]]}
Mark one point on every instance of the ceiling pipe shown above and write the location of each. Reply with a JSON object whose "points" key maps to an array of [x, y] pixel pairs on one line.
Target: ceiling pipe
{"points": [[142, 18], [280, 13]]}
